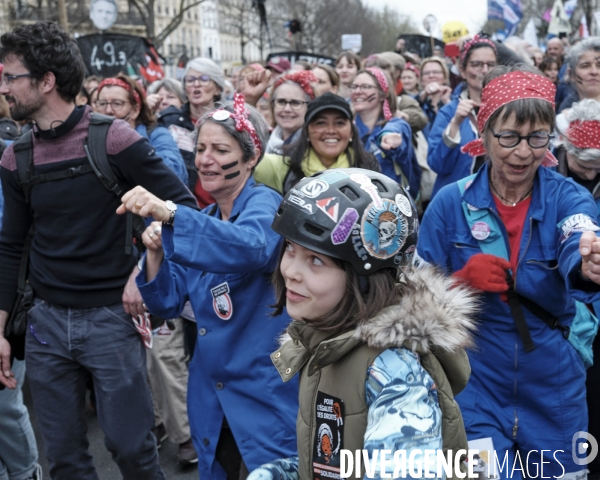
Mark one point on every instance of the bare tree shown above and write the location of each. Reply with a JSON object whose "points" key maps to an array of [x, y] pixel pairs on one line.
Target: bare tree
{"points": [[141, 12], [325, 21], [146, 11], [238, 18]]}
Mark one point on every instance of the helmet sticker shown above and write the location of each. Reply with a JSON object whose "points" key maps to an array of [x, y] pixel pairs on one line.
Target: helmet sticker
{"points": [[330, 206], [404, 205], [342, 230], [314, 188], [301, 203], [366, 185], [333, 177], [357, 242], [384, 229], [222, 301]]}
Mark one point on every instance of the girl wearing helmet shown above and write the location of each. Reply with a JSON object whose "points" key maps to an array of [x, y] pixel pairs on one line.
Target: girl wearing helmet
{"points": [[379, 361]]}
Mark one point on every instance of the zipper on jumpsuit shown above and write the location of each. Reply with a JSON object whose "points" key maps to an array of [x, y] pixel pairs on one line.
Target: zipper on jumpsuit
{"points": [[515, 427]]}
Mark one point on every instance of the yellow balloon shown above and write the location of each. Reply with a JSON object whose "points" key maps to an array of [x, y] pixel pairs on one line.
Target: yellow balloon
{"points": [[452, 31]]}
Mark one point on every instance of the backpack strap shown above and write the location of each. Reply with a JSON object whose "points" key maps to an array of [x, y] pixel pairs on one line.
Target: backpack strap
{"points": [[95, 149], [23, 149]]}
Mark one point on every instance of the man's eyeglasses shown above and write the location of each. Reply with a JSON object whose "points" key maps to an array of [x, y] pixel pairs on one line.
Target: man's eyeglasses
{"points": [[203, 80], [116, 105], [280, 103], [512, 139], [479, 65], [9, 79]]}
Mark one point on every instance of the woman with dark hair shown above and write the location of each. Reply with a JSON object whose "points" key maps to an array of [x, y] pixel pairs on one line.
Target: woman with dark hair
{"points": [[523, 235], [327, 140], [122, 98], [387, 137], [456, 123], [347, 65], [221, 260]]}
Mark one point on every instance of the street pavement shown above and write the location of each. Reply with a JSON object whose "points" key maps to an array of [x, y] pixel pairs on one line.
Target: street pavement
{"points": [[107, 469]]}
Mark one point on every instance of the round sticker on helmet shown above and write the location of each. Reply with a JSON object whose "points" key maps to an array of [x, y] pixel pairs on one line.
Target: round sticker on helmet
{"points": [[404, 205], [383, 229], [221, 115], [480, 230], [314, 188]]}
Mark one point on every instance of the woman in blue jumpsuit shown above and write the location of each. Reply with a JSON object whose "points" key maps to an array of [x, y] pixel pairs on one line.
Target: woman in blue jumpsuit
{"points": [[525, 400], [388, 138], [221, 260], [455, 123]]}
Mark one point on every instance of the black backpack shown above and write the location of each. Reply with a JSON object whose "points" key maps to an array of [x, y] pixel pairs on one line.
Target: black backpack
{"points": [[95, 149]]}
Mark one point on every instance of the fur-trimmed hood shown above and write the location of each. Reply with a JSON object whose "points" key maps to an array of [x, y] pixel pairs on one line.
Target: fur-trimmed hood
{"points": [[433, 312], [435, 318]]}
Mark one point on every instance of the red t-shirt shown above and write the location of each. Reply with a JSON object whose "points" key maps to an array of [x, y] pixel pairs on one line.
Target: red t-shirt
{"points": [[514, 220]]}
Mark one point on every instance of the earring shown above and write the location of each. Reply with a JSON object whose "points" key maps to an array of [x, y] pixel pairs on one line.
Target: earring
{"points": [[350, 140]]}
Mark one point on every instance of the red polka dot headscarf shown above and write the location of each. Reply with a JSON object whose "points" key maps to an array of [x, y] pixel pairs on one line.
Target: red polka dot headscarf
{"points": [[303, 78], [584, 134], [504, 90], [383, 84]]}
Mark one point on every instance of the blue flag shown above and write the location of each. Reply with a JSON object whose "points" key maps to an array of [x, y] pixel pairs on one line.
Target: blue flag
{"points": [[510, 11]]}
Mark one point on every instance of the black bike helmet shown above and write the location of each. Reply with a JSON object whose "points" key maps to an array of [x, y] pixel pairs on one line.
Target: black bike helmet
{"points": [[356, 215]]}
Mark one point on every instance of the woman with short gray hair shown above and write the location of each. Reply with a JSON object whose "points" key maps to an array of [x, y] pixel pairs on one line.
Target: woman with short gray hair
{"points": [[584, 72], [221, 259], [165, 93]]}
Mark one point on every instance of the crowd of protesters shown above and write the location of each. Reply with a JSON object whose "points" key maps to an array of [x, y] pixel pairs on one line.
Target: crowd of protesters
{"points": [[390, 252]]}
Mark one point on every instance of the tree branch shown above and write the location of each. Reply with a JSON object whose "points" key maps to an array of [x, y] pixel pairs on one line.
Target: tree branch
{"points": [[174, 23]]}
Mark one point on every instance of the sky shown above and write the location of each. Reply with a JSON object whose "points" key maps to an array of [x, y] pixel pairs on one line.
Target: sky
{"points": [[473, 13]]}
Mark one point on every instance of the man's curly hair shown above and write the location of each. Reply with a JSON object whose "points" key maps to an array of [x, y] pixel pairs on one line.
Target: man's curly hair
{"points": [[44, 47]]}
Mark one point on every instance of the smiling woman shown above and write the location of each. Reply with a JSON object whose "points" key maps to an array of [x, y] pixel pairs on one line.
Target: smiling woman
{"points": [[455, 124], [291, 93], [384, 135], [327, 139], [506, 231]]}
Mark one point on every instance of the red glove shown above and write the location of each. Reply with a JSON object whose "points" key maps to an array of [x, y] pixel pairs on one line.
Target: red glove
{"points": [[485, 272]]}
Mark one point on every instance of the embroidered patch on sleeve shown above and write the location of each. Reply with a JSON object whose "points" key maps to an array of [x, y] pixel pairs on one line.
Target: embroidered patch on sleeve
{"points": [[579, 222]]}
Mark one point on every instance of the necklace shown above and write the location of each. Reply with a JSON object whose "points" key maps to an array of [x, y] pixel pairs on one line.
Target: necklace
{"points": [[505, 200]]}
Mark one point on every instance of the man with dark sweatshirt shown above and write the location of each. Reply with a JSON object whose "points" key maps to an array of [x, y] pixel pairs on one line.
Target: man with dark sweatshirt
{"points": [[79, 271]]}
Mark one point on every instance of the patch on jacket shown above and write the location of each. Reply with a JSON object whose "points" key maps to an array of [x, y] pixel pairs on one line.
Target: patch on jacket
{"points": [[222, 301], [328, 439], [576, 223]]}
